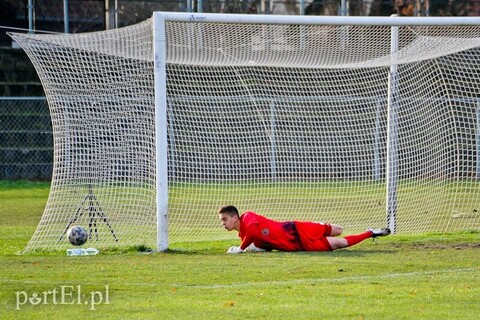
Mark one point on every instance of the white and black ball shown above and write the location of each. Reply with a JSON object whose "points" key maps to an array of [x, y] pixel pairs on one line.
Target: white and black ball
{"points": [[77, 235]]}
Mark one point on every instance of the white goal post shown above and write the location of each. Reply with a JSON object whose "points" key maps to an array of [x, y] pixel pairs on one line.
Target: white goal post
{"points": [[359, 121]]}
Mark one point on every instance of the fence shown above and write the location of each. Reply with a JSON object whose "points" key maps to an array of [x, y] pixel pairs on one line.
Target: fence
{"points": [[26, 142]]}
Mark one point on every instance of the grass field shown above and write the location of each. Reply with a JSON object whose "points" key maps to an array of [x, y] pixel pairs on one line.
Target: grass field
{"points": [[419, 277]]}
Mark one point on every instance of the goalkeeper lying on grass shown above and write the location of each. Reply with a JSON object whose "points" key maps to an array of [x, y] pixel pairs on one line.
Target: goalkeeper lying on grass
{"points": [[261, 234]]}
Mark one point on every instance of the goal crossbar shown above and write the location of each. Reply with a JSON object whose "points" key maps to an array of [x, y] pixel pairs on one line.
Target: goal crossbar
{"points": [[317, 20]]}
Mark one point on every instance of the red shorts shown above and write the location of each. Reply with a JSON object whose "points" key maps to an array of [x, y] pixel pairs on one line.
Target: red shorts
{"points": [[313, 235]]}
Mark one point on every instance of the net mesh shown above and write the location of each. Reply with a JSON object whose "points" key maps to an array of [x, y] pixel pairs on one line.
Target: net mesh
{"points": [[289, 121]]}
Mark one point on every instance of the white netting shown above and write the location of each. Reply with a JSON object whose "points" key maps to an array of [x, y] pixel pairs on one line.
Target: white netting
{"points": [[102, 113], [286, 120]]}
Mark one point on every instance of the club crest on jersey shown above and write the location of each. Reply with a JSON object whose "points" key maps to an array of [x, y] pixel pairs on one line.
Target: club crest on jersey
{"points": [[265, 232]]}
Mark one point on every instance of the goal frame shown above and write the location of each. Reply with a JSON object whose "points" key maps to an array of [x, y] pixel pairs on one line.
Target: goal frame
{"points": [[160, 81]]}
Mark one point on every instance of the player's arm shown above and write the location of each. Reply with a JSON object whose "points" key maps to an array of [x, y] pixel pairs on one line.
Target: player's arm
{"points": [[246, 246], [251, 226], [246, 241], [234, 250], [251, 248]]}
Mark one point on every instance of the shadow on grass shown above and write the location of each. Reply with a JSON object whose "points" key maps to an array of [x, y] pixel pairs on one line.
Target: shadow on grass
{"points": [[337, 253]]}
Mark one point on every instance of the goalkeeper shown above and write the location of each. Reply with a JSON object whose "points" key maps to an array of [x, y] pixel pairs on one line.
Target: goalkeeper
{"points": [[261, 234]]}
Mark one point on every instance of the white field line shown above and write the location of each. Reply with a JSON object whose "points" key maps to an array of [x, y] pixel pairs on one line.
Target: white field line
{"points": [[325, 280], [259, 283]]}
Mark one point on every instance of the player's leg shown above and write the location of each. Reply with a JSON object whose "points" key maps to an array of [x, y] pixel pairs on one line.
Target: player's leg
{"points": [[331, 229], [348, 241], [334, 243], [337, 243], [336, 230], [314, 235], [351, 240], [370, 233]]}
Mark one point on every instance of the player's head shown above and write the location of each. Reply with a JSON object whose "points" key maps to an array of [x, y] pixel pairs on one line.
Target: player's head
{"points": [[230, 210], [229, 217]]}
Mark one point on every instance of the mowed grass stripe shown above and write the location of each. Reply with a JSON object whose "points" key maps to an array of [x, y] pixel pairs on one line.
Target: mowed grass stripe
{"points": [[265, 283]]}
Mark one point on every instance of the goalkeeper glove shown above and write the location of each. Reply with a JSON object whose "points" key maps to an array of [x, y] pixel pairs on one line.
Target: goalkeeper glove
{"points": [[253, 248], [234, 250]]}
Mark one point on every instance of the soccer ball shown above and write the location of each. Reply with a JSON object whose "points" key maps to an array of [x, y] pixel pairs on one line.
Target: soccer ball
{"points": [[77, 235]]}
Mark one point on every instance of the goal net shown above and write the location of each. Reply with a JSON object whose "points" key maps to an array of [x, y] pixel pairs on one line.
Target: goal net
{"points": [[359, 122]]}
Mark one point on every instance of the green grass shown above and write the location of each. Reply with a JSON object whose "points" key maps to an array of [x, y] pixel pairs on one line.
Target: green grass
{"points": [[417, 277]]}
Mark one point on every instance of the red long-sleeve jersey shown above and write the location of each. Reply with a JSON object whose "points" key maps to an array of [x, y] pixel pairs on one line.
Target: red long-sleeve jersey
{"points": [[284, 236], [268, 234]]}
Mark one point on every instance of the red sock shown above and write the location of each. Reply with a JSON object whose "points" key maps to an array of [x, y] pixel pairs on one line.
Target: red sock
{"points": [[356, 238]]}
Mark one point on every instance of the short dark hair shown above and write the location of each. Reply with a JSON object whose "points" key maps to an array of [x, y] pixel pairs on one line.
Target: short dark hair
{"points": [[230, 210]]}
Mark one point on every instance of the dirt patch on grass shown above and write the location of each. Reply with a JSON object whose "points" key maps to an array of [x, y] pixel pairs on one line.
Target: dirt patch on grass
{"points": [[444, 246]]}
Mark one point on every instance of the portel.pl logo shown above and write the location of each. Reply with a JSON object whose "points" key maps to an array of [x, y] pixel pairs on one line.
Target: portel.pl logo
{"points": [[63, 295]]}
